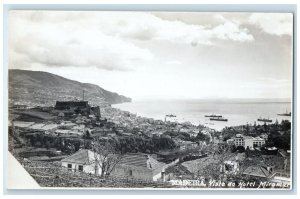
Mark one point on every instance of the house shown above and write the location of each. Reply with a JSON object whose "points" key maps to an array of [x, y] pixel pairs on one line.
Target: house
{"points": [[139, 166], [156, 133], [83, 160], [262, 172], [20, 107], [267, 173], [264, 136], [230, 141], [194, 132], [258, 142], [184, 145], [207, 130], [184, 130], [101, 130]]}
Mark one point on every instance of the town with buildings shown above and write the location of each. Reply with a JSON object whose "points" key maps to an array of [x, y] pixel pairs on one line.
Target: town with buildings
{"points": [[75, 144]]}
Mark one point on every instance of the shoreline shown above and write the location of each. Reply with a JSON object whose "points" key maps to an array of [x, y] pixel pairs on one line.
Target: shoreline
{"points": [[191, 111]]}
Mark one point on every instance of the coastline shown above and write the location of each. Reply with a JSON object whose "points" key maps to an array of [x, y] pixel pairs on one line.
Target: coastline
{"points": [[238, 112]]}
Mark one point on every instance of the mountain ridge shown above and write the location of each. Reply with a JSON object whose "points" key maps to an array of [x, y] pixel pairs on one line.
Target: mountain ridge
{"points": [[40, 88]]}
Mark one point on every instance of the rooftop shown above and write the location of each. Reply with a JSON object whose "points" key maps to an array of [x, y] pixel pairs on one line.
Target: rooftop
{"points": [[83, 156], [258, 171], [141, 160]]}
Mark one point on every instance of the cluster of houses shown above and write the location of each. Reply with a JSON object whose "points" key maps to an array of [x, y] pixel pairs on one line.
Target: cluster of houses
{"points": [[74, 118], [138, 166], [145, 167], [149, 126]]}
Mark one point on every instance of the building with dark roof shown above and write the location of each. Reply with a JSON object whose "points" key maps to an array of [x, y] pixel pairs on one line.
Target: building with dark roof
{"points": [[140, 166], [137, 166], [82, 160], [81, 107], [71, 104], [258, 171], [74, 106]]}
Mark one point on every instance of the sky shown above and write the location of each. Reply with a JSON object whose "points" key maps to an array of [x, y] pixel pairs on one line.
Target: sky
{"points": [[159, 55]]}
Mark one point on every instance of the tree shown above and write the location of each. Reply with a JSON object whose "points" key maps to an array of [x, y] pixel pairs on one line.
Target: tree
{"points": [[220, 154], [87, 139], [285, 125], [203, 137], [106, 157], [69, 148], [247, 129], [240, 149], [87, 135], [216, 169]]}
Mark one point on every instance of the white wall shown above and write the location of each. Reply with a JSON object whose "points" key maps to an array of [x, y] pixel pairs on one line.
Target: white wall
{"points": [[86, 168], [249, 142], [157, 176]]}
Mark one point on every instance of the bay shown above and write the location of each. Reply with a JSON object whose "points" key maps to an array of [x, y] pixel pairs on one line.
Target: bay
{"points": [[237, 111]]}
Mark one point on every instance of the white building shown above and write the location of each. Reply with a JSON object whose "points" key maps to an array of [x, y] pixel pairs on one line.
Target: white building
{"points": [[230, 141], [264, 136], [248, 141], [82, 160], [229, 167], [258, 142]]}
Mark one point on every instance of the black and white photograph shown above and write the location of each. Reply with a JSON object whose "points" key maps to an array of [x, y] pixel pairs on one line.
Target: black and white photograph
{"points": [[151, 99]]}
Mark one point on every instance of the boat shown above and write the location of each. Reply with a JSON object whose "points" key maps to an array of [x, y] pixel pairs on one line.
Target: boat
{"points": [[264, 120], [285, 114], [212, 115], [219, 119], [171, 115]]}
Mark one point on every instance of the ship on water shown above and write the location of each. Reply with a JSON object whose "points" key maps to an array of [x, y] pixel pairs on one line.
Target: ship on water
{"points": [[219, 119], [285, 114], [213, 116], [264, 120], [171, 115]]}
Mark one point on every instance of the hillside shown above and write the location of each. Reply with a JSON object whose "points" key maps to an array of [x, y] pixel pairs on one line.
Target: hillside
{"points": [[36, 88]]}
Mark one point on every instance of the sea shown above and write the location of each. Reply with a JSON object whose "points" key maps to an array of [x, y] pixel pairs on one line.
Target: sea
{"points": [[237, 111]]}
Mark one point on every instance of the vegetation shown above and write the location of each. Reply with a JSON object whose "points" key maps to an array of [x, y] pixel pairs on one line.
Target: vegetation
{"points": [[134, 144], [106, 157], [186, 137], [123, 144]]}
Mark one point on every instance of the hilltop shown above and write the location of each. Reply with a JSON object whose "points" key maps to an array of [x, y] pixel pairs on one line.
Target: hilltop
{"points": [[37, 88]]}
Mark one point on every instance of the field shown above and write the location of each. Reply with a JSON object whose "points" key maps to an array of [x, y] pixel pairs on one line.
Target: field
{"points": [[31, 114]]}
